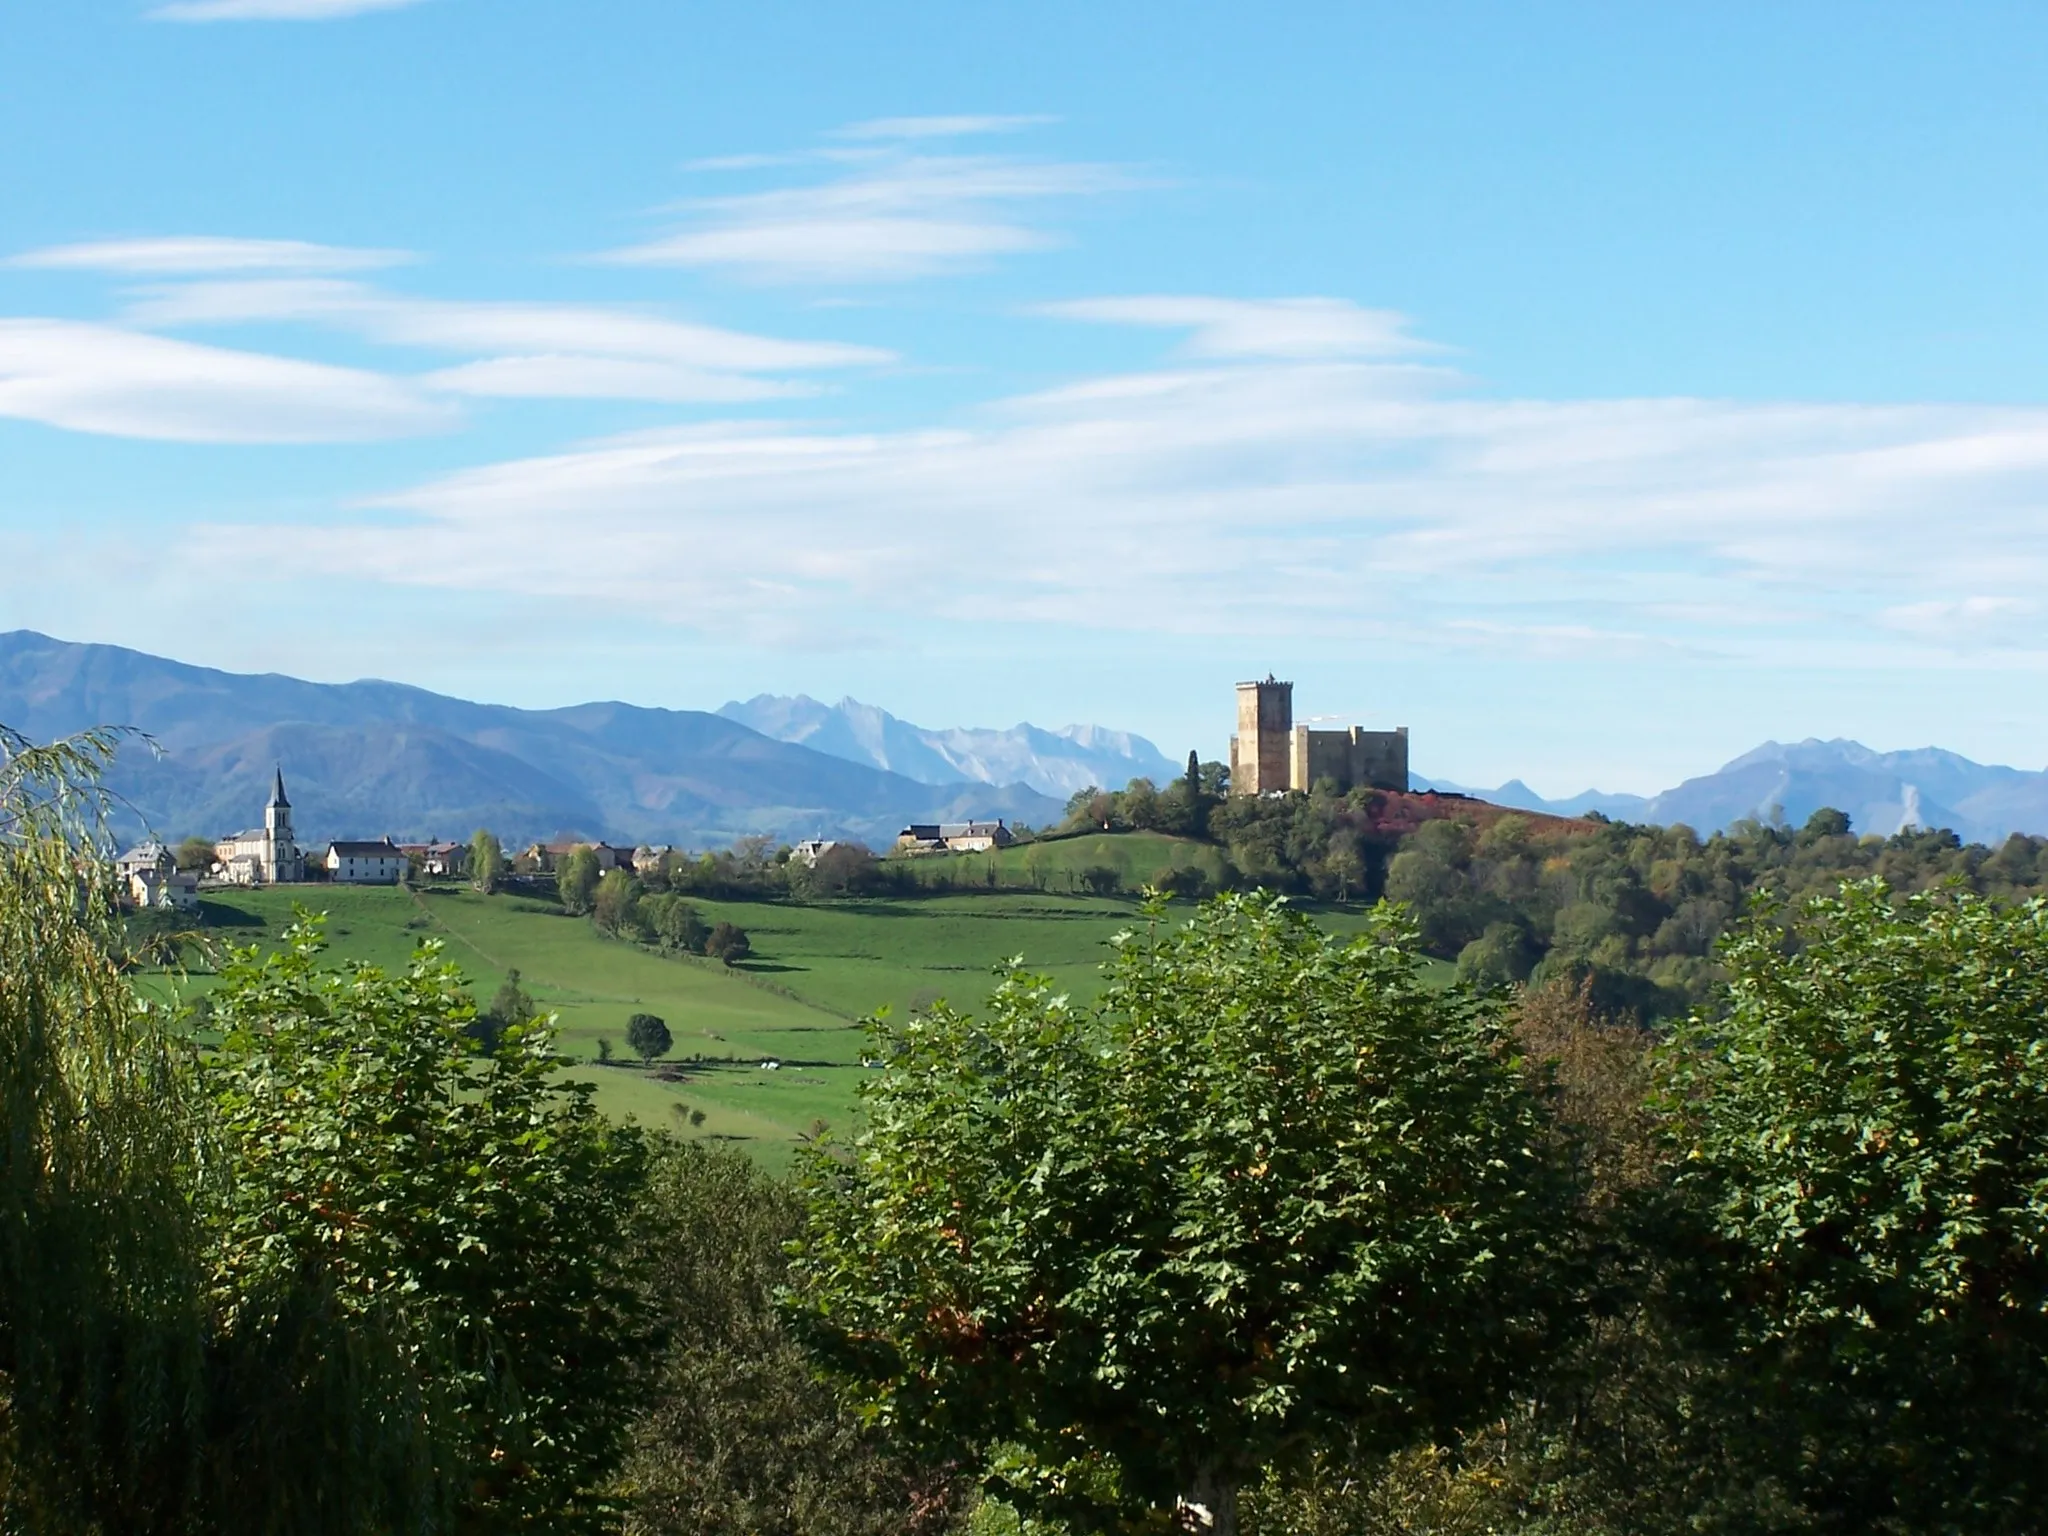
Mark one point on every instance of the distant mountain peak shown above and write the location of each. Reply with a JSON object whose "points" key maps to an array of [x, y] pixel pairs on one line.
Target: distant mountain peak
{"points": [[1052, 762]]}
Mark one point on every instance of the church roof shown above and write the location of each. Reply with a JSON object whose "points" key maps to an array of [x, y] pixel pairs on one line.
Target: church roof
{"points": [[277, 795]]}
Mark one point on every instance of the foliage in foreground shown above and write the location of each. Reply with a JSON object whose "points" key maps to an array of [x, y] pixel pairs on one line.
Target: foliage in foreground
{"points": [[1269, 1194], [435, 1236], [742, 1437], [1866, 1133], [338, 1272], [100, 1262]]}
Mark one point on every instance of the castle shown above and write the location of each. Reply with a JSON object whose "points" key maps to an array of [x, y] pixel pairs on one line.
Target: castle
{"points": [[1270, 753]]}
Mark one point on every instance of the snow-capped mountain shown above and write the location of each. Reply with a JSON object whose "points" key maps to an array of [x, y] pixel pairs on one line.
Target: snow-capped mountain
{"points": [[1053, 762]]}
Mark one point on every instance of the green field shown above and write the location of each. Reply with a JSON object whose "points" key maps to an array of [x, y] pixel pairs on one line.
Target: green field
{"points": [[816, 971], [1055, 864]]}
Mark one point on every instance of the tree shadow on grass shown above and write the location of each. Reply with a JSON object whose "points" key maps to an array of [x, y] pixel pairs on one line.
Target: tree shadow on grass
{"points": [[215, 913]]}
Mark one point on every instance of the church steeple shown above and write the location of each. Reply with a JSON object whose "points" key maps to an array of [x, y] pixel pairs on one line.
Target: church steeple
{"points": [[282, 860]]}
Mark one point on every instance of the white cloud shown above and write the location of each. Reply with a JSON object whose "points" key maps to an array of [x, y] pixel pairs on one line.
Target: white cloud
{"points": [[560, 377], [469, 326], [1290, 328], [273, 10], [888, 215], [178, 254], [92, 378], [1350, 501], [1969, 621], [938, 127], [563, 351]]}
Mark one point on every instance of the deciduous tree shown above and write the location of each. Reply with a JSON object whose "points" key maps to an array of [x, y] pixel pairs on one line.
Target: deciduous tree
{"points": [[1270, 1193], [1866, 1130], [648, 1035], [728, 942], [486, 861], [576, 880], [434, 1235]]}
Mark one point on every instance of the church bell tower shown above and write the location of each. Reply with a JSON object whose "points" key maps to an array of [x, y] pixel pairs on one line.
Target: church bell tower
{"points": [[282, 849]]}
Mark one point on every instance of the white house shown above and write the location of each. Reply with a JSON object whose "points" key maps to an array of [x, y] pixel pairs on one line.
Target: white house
{"points": [[811, 849], [379, 863]]}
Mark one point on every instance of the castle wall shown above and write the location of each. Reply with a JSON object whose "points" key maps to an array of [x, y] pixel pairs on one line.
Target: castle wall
{"points": [[1353, 758]]}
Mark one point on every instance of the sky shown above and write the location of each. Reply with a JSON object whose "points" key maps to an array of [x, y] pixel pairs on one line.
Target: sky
{"points": [[1596, 390]]}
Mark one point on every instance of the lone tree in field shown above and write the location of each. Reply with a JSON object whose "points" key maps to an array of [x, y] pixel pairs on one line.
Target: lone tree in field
{"points": [[728, 942], [1269, 1194], [486, 861], [648, 1035]]}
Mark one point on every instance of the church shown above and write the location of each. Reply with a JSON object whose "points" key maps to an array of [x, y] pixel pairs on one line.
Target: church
{"points": [[265, 855]]}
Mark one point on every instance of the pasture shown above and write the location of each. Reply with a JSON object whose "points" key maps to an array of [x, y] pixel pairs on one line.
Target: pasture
{"points": [[815, 973]]}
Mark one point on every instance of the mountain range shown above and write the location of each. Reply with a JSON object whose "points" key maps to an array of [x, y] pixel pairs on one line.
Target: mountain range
{"points": [[1881, 792], [366, 758], [1054, 763], [372, 757]]}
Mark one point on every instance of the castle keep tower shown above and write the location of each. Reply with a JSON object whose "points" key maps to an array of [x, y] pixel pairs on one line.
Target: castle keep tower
{"points": [[1265, 724]]}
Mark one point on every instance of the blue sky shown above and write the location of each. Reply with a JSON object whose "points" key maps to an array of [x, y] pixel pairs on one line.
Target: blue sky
{"points": [[1596, 390]]}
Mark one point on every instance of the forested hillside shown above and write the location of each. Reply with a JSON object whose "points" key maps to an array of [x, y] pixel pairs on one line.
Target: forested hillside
{"points": [[1515, 896]]}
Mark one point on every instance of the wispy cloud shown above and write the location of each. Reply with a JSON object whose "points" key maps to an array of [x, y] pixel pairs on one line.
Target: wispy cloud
{"points": [[1290, 328], [1966, 622], [887, 213], [93, 378], [174, 255], [476, 326], [938, 127], [1348, 500], [119, 379], [273, 10]]}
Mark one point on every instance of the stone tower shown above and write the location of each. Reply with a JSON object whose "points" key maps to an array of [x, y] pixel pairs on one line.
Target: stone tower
{"points": [[1265, 726]]}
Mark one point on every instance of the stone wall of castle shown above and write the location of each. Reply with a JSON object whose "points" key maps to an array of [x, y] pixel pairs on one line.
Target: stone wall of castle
{"points": [[1373, 759]]}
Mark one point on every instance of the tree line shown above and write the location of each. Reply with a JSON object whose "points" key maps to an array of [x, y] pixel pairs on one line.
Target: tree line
{"points": [[1639, 911]]}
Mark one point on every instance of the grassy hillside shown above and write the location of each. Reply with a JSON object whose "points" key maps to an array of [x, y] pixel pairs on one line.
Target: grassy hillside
{"points": [[815, 971], [1056, 864]]}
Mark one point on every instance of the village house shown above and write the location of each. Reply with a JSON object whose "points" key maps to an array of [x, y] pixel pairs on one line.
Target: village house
{"points": [[442, 860], [810, 850], [380, 863], [954, 837], [544, 858], [151, 878]]}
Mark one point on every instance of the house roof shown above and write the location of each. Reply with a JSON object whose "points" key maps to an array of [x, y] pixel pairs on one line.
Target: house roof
{"points": [[375, 850]]}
